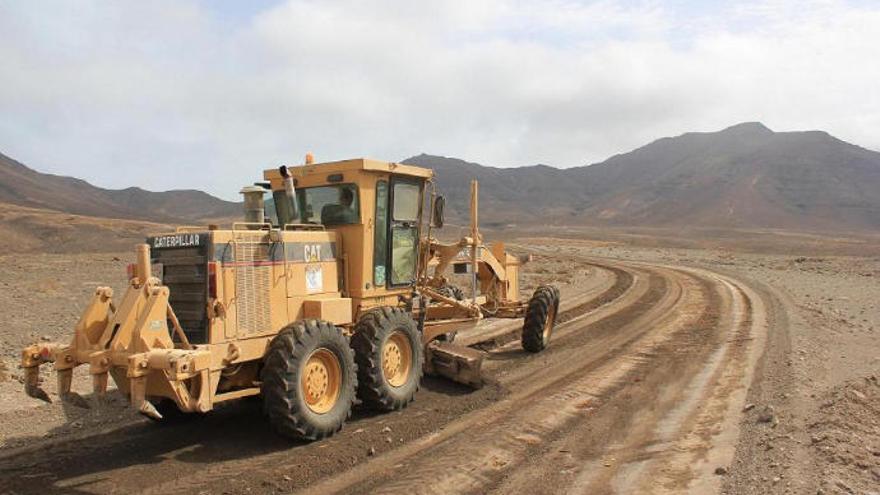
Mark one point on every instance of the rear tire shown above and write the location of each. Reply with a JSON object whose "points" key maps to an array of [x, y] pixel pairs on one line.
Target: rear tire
{"points": [[540, 318], [309, 380], [388, 351]]}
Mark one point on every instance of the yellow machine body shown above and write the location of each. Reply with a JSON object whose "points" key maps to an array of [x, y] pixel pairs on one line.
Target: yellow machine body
{"points": [[203, 305]]}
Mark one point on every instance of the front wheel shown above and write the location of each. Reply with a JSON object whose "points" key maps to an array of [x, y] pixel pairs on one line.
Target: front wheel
{"points": [[309, 380], [540, 318], [389, 355]]}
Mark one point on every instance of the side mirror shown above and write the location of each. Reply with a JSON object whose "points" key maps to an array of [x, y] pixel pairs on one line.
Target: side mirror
{"points": [[437, 214]]}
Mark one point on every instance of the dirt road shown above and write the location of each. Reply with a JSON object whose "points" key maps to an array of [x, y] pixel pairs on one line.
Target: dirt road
{"points": [[641, 390]]}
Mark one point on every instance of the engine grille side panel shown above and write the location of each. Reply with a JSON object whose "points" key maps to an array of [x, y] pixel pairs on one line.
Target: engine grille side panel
{"points": [[184, 272], [253, 279]]}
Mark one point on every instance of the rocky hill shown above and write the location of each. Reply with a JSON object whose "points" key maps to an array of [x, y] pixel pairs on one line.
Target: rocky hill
{"points": [[20, 185], [745, 176]]}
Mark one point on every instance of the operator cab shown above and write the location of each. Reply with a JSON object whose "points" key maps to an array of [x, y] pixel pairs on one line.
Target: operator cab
{"points": [[375, 207]]}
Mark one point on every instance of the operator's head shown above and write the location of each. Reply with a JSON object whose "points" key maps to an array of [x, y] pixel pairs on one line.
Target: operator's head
{"points": [[346, 196]]}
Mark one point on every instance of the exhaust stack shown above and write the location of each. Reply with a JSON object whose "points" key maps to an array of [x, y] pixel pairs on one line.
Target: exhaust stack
{"points": [[290, 194]]}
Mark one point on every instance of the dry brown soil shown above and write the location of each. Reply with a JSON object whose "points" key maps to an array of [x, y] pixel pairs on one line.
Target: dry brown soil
{"points": [[674, 368]]}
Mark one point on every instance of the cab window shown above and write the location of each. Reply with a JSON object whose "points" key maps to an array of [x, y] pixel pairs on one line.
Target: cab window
{"points": [[329, 205], [404, 253], [406, 198], [406, 201], [380, 235]]}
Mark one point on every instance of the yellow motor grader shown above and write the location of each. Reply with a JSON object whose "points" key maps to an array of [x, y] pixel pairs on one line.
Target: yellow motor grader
{"points": [[333, 288]]}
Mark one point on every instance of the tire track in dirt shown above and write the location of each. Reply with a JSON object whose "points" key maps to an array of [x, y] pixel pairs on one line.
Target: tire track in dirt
{"points": [[702, 431], [471, 453], [690, 428], [604, 305], [708, 433], [613, 283], [233, 449], [666, 412], [693, 424], [614, 404]]}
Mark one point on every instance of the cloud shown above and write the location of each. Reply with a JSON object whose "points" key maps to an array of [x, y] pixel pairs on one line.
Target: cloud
{"points": [[188, 94]]}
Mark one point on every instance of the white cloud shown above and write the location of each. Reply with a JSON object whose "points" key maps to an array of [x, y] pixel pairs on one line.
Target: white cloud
{"points": [[170, 94]]}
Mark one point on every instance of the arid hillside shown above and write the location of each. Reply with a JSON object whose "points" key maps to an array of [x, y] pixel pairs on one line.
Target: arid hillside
{"points": [[20, 185], [38, 230], [745, 176]]}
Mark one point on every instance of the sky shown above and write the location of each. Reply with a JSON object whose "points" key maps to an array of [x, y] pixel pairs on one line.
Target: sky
{"points": [[172, 94]]}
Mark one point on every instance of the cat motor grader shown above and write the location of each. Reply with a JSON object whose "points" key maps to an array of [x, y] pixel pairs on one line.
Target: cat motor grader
{"points": [[333, 288]]}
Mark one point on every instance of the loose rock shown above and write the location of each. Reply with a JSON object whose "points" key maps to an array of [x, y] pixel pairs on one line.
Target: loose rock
{"points": [[767, 414]]}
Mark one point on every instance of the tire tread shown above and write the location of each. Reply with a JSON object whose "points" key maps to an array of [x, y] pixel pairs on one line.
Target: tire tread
{"points": [[370, 332], [543, 299], [280, 387]]}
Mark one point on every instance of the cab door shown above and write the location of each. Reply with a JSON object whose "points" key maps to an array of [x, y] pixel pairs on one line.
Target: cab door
{"points": [[403, 238]]}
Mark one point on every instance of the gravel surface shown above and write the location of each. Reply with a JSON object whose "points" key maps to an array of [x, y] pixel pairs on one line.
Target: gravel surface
{"points": [[818, 380], [810, 422]]}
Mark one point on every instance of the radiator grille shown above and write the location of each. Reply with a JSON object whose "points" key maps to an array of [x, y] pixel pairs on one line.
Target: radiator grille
{"points": [[184, 273], [253, 279]]}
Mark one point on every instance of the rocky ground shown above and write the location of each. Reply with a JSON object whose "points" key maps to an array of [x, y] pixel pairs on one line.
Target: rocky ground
{"points": [[808, 422], [813, 420]]}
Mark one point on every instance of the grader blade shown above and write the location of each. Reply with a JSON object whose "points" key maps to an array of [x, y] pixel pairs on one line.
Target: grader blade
{"points": [[457, 363]]}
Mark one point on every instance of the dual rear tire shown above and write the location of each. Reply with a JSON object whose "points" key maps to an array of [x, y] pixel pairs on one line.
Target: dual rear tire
{"points": [[312, 373]]}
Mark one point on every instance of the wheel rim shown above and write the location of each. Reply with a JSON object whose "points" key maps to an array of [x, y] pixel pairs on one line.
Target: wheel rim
{"points": [[321, 380], [548, 323], [397, 358]]}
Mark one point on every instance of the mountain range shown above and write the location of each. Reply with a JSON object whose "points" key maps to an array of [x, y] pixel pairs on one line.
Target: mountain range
{"points": [[23, 186], [745, 176]]}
